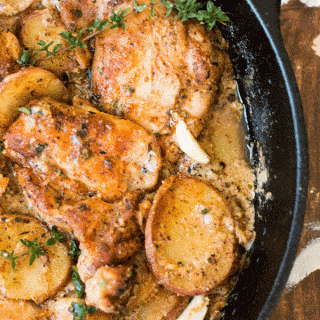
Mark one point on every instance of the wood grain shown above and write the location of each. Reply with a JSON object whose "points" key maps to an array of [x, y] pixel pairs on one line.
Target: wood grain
{"points": [[300, 25]]}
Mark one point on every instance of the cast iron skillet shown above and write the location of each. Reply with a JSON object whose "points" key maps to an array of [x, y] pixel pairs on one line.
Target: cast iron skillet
{"points": [[274, 113]]}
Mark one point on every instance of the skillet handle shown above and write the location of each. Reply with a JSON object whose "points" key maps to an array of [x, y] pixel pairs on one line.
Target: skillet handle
{"points": [[269, 12]]}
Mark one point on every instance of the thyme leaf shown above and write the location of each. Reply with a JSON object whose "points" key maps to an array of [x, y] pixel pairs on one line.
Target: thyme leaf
{"points": [[9, 255], [56, 237], [74, 39], [26, 110], [116, 19], [77, 282], [79, 310], [35, 251], [74, 250]]}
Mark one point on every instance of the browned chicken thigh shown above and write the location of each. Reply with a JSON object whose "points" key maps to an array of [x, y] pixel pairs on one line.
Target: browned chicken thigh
{"points": [[157, 69], [109, 155], [73, 160]]}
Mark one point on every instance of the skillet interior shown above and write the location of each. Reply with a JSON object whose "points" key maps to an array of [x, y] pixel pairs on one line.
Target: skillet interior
{"points": [[275, 122]]}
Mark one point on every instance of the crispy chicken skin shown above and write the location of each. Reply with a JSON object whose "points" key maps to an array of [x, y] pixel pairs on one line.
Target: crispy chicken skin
{"points": [[109, 155], [108, 233], [110, 285], [156, 68]]}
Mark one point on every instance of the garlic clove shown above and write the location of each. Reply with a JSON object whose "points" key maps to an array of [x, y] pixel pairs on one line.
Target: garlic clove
{"points": [[196, 310], [189, 145]]}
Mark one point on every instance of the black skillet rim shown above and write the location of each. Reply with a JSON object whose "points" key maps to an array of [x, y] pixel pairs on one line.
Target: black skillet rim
{"points": [[266, 13]]}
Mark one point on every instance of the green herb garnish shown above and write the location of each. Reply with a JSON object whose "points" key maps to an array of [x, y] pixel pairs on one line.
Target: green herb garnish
{"points": [[35, 249], [77, 282], [79, 311], [103, 283], [56, 237], [74, 249], [25, 110], [73, 39], [205, 211], [9, 255]]}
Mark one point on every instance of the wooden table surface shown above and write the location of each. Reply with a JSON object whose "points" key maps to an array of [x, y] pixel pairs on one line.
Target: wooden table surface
{"points": [[300, 27]]}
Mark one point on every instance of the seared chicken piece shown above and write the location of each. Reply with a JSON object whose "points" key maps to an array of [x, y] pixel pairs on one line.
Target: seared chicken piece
{"points": [[108, 234], [71, 160], [79, 13], [109, 288], [11, 8], [63, 309], [157, 68], [109, 155]]}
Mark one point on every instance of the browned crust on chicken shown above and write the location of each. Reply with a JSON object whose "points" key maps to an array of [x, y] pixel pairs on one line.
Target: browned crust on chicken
{"points": [[81, 13], [110, 288], [108, 233], [109, 155], [155, 68]]}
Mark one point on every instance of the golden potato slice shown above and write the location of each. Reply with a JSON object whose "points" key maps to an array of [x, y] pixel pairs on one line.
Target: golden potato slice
{"points": [[149, 300], [163, 306], [44, 25], [19, 310], [45, 276], [17, 89], [60, 310], [9, 53], [13, 7], [190, 237], [3, 184]]}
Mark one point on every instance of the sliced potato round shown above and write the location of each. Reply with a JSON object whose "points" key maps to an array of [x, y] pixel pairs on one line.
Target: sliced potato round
{"points": [[61, 309], [149, 300], [19, 310], [19, 88], [13, 7], [190, 237], [45, 276], [9, 53], [43, 25]]}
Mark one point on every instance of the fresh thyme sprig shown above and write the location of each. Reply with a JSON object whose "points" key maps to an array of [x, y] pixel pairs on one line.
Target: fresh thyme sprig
{"points": [[207, 14], [9, 255], [79, 310], [29, 57], [36, 249], [74, 250], [56, 237], [74, 39], [77, 282]]}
